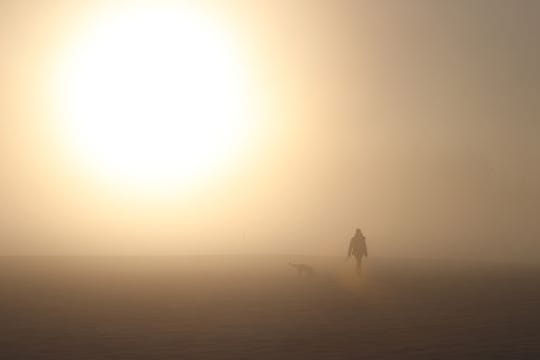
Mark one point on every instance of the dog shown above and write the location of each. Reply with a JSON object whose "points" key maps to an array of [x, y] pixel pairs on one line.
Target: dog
{"points": [[303, 269]]}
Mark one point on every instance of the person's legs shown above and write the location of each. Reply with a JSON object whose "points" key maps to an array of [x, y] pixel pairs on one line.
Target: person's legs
{"points": [[358, 264]]}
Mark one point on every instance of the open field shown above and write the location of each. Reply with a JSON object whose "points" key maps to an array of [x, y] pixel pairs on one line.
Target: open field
{"points": [[256, 307]]}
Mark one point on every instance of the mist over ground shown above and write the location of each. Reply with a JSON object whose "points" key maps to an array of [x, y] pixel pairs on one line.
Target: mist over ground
{"points": [[240, 307]]}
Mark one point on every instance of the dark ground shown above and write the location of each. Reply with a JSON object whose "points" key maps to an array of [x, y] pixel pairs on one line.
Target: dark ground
{"points": [[241, 307]]}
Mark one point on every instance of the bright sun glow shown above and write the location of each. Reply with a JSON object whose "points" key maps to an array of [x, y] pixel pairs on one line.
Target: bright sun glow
{"points": [[155, 96]]}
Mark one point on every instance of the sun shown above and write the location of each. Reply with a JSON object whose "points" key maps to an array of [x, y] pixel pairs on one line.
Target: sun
{"points": [[155, 97]]}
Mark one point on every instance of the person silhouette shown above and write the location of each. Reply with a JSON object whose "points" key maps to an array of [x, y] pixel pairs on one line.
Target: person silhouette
{"points": [[358, 249]]}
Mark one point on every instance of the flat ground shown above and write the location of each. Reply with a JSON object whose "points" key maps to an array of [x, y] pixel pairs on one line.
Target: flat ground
{"points": [[242, 307]]}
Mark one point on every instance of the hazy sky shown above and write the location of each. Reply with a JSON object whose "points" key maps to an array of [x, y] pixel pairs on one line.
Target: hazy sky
{"points": [[414, 120]]}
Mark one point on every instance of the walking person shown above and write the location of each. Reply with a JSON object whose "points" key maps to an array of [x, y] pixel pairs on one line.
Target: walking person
{"points": [[358, 249]]}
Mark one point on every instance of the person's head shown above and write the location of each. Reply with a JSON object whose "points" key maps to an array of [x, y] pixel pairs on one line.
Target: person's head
{"points": [[358, 231]]}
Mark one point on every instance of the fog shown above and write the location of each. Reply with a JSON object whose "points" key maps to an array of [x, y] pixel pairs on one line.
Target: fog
{"points": [[415, 121]]}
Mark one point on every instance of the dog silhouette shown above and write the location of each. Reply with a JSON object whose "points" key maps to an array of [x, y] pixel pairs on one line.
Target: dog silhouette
{"points": [[303, 269]]}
